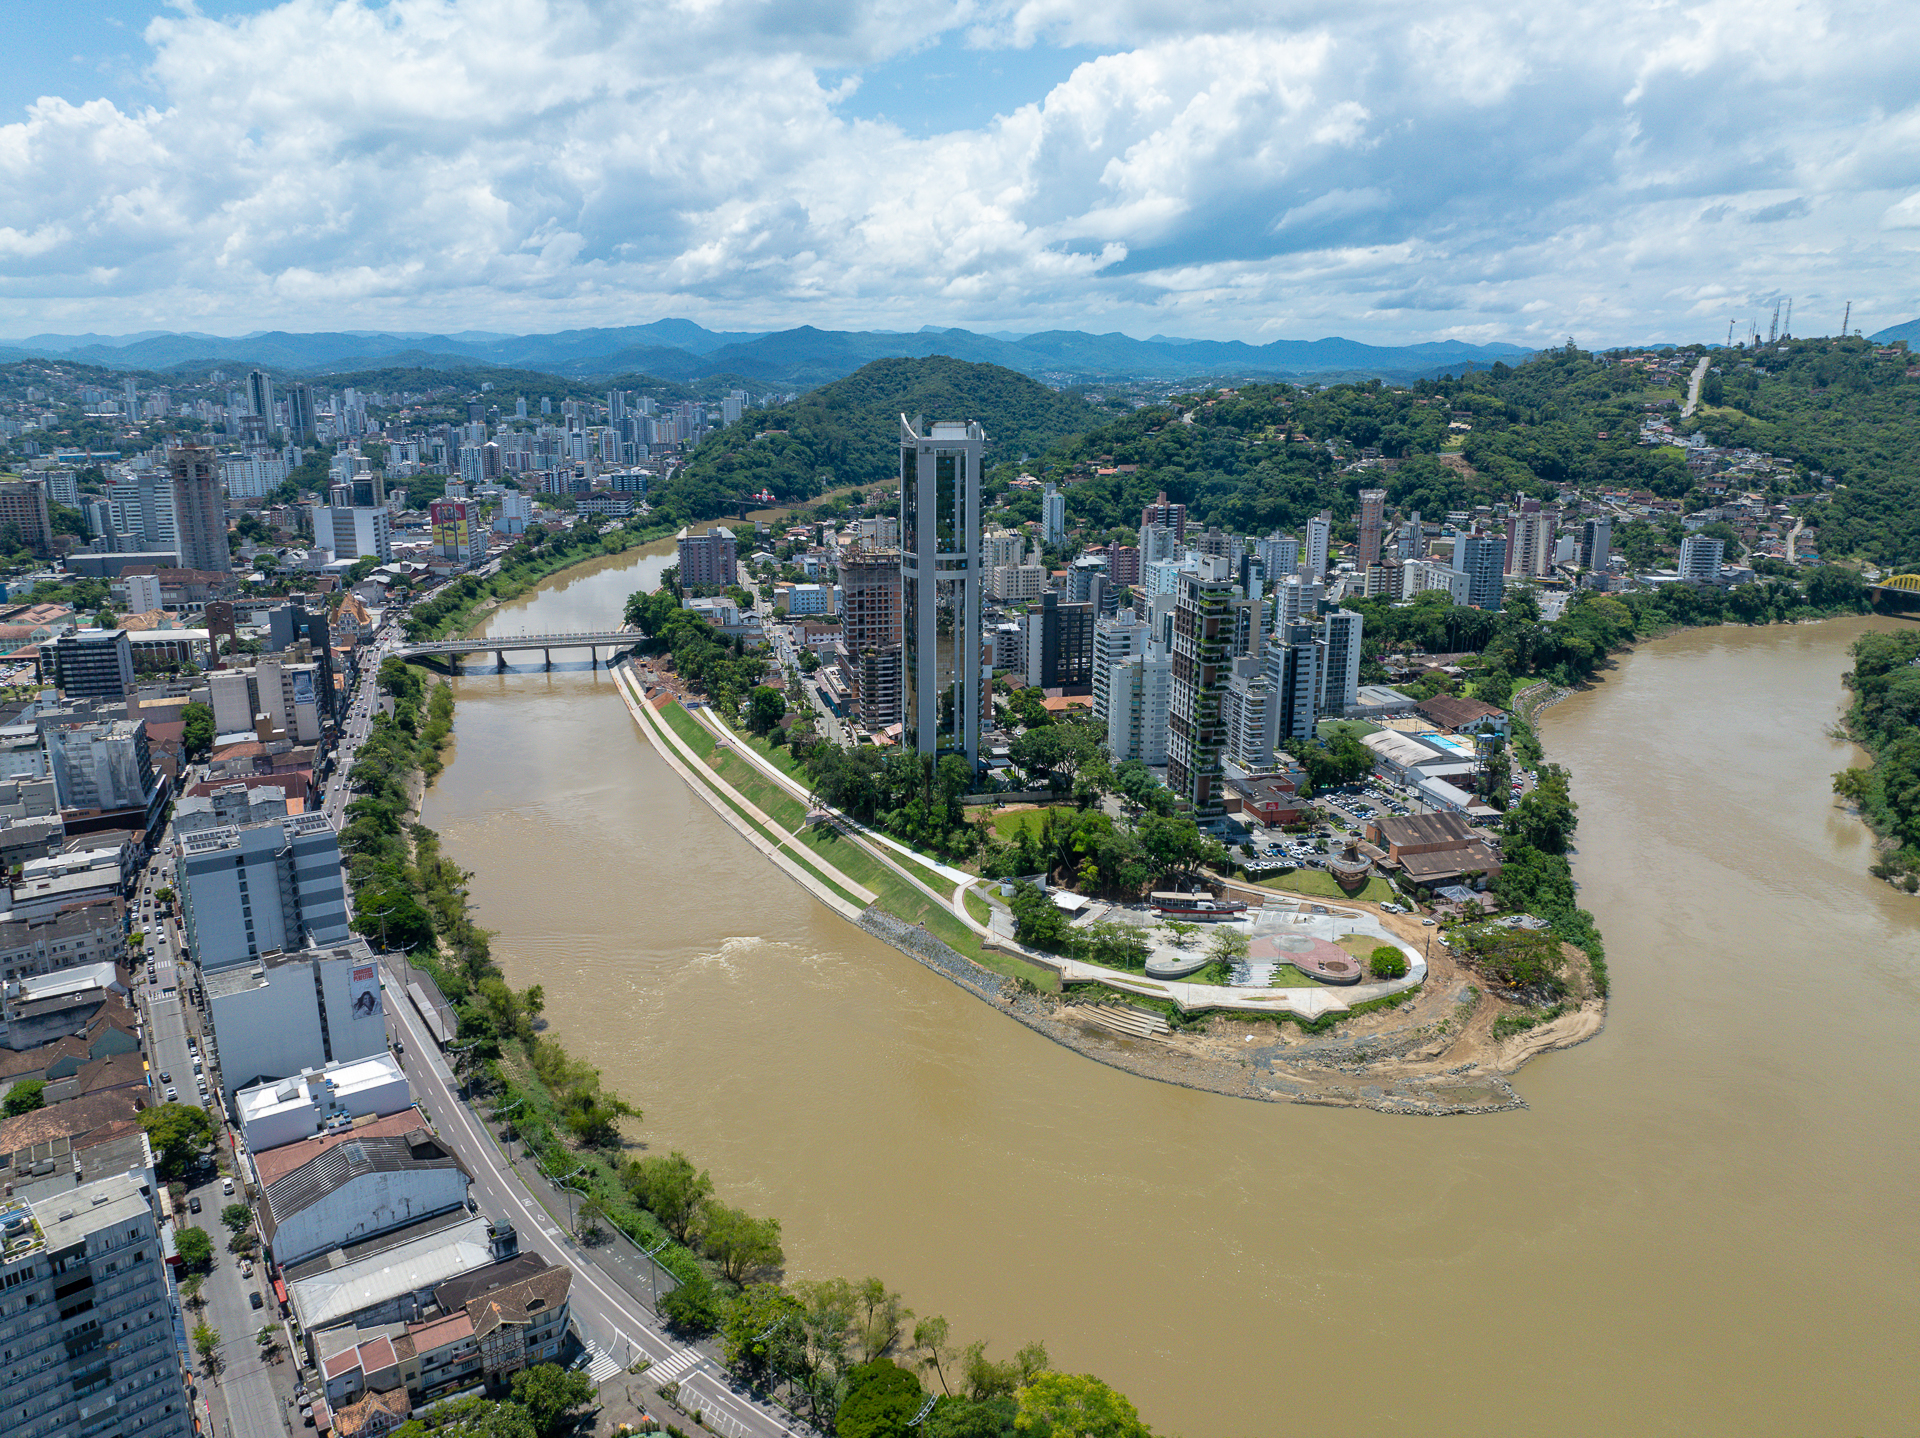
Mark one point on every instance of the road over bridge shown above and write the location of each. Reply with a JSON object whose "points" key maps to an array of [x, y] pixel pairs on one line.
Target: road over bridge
{"points": [[500, 645]]}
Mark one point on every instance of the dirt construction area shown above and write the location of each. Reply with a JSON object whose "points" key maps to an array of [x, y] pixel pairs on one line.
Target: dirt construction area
{"points": [[1435, 1053]]}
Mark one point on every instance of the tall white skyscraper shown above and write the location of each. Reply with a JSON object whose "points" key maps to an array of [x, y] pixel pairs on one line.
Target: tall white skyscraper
{"points": [[86, 1323], [1319, 542], [1340, 661], [940, 478], [1053, 517]]}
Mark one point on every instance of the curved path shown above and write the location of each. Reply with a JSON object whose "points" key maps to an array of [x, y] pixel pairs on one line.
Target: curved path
{"points": [[1309, 1003]]}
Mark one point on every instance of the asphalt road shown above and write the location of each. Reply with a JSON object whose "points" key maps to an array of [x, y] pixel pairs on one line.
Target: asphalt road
{"points": [[610, 1320]]}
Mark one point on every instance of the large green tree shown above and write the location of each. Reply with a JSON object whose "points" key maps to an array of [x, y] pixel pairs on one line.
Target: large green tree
{"points": [[1062, 1405], [552, 1396]]}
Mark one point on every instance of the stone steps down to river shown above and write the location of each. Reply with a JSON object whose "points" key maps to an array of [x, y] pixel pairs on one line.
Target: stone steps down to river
{"points": [[1125, 1019]]}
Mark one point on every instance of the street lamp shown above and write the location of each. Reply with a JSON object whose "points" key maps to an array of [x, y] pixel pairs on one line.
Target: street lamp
{"points": [[653, 1268], [566, 1182]]}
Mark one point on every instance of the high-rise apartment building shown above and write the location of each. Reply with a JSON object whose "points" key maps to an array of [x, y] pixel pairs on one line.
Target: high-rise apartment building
{"points": [[941, 469], [1596, 542], [1373, 510], [1203, 625], [1530, 531], [1166, 513], [1159, 542], [1482, 558], [260, 395], [1280, 554], [1701, 558], [1413, 538], [93, 664], [23, 506], [871, 630], [1248, 707], [1293, 669], [249, 890], [103, 767], [354, 533], [300, 420], [458, 533], [1297, 600], [1053, 517], [141, 511], [86, 1321], [707, 558], [1139, 695], [1123, 564], [1113, 641], [1319, 545], [1002, 546], [200, 512], [1060, 645], [1339, 661]]}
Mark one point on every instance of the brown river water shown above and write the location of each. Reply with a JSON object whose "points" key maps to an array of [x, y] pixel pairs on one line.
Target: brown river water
{"points": [[1703, 1224]]}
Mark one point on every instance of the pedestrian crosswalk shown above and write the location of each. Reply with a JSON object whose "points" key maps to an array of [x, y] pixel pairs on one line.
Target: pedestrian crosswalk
{"points": [[605, 1365], [669, 1369]]}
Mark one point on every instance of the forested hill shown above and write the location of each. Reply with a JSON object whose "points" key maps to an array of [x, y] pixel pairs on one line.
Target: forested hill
{"points": [[848, 432], [1270, 456], [1846, 408], [1267, 457]]}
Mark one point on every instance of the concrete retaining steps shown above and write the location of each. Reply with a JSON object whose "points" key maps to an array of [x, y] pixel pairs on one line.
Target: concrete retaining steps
{"points": [[1125, 1019]]}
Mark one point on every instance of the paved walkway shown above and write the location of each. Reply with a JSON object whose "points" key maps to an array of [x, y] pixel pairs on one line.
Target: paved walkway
{"points": [[719, 792]]}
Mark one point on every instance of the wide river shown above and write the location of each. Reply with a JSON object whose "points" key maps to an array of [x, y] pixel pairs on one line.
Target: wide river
{"points": [[1704, 1224]]}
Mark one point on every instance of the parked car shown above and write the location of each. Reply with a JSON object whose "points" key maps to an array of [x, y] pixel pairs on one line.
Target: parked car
{"points": [[165, 1077], [193, 1205], [253, 1297], [226, 1185], [173, 1094]]}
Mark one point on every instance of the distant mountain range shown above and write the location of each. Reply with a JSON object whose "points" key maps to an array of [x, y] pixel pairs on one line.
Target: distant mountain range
{"points": [[675, 349], [1910, 332]]}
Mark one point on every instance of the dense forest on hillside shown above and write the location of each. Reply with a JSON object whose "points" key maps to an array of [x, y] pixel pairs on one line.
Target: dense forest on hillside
{"points": [[848, 432], [1844, 409], [1270, 456]]}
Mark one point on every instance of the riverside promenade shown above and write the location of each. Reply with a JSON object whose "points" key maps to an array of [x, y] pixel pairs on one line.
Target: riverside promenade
{"points": [[849, 898]]}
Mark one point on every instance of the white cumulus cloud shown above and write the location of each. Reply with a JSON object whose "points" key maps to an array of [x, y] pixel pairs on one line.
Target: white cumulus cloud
{"points": [[1386, 170]]}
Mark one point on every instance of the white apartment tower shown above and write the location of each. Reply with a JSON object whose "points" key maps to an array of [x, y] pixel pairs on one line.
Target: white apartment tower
{"points": [[86, 1327], [1053, 517], [941, 468], [1340, 661], [1319, 543]]}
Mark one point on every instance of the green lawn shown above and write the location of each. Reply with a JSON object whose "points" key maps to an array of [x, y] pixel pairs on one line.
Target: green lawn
{"points": [[1286, 976], [1005, 825], [979, 907], [1320, 885], [689, 729]]}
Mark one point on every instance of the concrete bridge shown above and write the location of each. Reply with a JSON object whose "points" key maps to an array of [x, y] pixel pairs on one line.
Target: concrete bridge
{"points": [[501, 644]]}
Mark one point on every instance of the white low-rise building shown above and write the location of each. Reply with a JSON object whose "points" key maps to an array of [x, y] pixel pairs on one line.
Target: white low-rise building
{"points": [[272, 1114]]}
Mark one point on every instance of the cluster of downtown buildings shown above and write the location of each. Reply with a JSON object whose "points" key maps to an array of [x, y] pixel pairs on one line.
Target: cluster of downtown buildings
{"points": [[167, 506], [398, 1291]]}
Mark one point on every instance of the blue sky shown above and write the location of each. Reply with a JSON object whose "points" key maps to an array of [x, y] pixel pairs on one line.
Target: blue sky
{"points": [[1388, 170]]}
